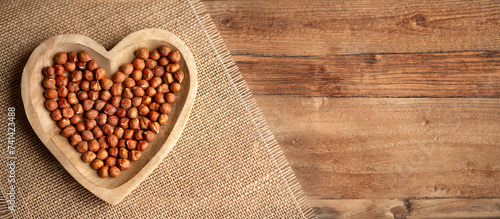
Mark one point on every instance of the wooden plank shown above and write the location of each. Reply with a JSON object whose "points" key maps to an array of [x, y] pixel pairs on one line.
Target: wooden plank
{"points": [[311, 28], [388, 208], [456, 74], [389, 148]]}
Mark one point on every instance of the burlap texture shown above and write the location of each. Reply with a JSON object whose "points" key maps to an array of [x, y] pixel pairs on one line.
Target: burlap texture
{"points": [[226, 163]]}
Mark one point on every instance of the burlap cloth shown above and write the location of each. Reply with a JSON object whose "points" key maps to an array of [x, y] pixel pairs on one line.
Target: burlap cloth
{"points": [[226, 164]]}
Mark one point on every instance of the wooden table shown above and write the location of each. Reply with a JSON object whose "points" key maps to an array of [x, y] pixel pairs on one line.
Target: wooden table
{"points": [[384, 108]]}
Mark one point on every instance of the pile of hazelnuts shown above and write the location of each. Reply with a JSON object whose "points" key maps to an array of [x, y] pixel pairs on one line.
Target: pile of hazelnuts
{"points": [[111, 120]]}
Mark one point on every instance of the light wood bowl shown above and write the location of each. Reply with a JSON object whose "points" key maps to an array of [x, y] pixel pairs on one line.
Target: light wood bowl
{"points": [[111, 190]]}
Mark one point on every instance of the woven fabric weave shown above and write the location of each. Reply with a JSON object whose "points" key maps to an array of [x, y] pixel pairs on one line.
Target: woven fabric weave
{"points": [[226, 163]]}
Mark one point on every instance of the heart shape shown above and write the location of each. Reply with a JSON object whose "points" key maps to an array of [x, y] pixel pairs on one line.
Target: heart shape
{"points": [[111, 190]]}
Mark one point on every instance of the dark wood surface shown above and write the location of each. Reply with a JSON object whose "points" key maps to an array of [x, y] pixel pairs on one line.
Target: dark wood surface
{"points": [[384, 109]]}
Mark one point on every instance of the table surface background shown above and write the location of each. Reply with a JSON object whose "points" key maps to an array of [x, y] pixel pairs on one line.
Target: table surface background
{"points": [[383, 108]]}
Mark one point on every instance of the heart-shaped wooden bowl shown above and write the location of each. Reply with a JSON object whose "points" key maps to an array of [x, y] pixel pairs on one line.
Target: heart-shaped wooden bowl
{"points": [[111, 190]]}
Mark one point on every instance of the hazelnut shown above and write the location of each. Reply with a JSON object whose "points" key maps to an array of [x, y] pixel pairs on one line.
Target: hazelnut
{"points": [[106, 83], [127, 93], [136, 101], [128, 134], [142, 53], [126, 103], [97, 164], [107, 129], [114, 171], [159, 98], [164, 50], [174, 56], [121, 143], [88, 75], [76, 76], [172, 67], [78, 109], [72, 56], [162, 89], [147, 74], [62, 91], [75, 119], [48, 71], [179, 76], [120, 112], [153, 116], [112, 140], [134, 155], [170, 97], [134, 124], [159, 71], [102, 154], [151, 91], [132, 113], [131, 144], [72, 99], [143, 110], [119, 132], [139, 64], [80, 126], [99, 73], [165, 108], [81, 65], [56, 115], [113, 120], [85, 85], [155, 82], [59, 69], [92, 65], [150, 64], [106, 95], [70, 66], [67, 112], [154, 55], [95, 86], [83, 95], [90, 124], [163, 119], [163, 61], [123, 123], [149, 136], [91, 114], [94, 95], [127, 68], [74, 86], [102, 119], [84, 56], [123, 153], [61, 58], [146, 100], [99, 104], [136, 75], [119, 77], [82, 147], [123, 164], [102, 143], [97, 132], [144, 123], [142, 145], [138, 92], [143, 84], [116, 89], [103, 172], [94, 145], [154, 127], [175, 87], [138, 135], [50, 83], [111, 160], [75, 139], [63, 103], [87, 135], [88, 156], [87, 104], [168, 78], [115, 101], [109, 109], [51, 105], [64, 122], [129, 82], [50, 93]]}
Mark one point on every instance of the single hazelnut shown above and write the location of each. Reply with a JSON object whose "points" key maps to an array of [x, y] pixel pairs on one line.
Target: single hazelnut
{"points": [[116, 89], [90, 124], [50, 93], [82, 147], [142, 53], [147, 74], [94, 145], [164, 50], [179, 76], [115, 101], [107, 129], [104, 172], [127, 68], [119, 77], [150, 64], [163, 119], [165, 108], [91, 114], [132, 113], [87, 104], [174, 56], [94, 95], [109, 109], [143, 84], [111, 160], [123, 123], [49, 82], [99, 73], [120, 113], [87, 135], [59, 69], [162, 89], [138, 92], [85, 85], [123, 153], [95, 86], [144, 123], [84, 56], [131, 144], [92, 65], [72, 56], [155, 82], [99, 104], [72, 99], [138, 135], [62, 91], [127, 93], [97, 132], [153, 116], [76, 76], [149, 136], [163, 61], [134, 124], [88, 157], [102, 154], [51, 105], [81, 65], [142, 145], [154, 55], [75, 119], [113, 120], [106, 95], [83, 95], [159, 71], [151, 91], [128, 134], [63, 103], [80, 126], [175, 87], [63, 123], [88, 75], [170, 97], [168, 78], [114, 171], [172, 67], [139, 64], [102, 143], [129, 82], [146, 100], [123, 164], [136, 101], [106, 83], [154, 127], [159, 98], [134, 155], [75, 139], [97, 164], [112, 140], [136, 75], [48, 71], [126, 103], [61, 58], [70, 66], [67, 112], [143, 110], [78, 109], [101, 119], [119, 132], [74, 86], [121, 143], [56, 115]]}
